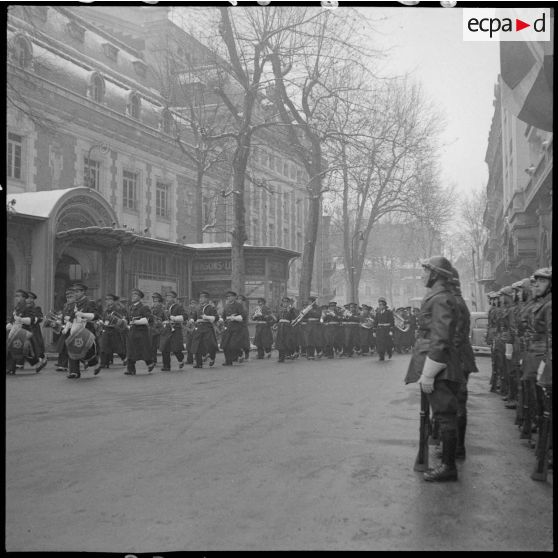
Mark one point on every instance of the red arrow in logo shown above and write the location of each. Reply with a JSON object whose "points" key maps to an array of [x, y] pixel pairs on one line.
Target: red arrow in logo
{"points": [[519, 25]]}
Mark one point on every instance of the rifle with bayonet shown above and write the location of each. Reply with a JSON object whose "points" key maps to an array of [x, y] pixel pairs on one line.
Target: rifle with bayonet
{"points": [[421, 462]]}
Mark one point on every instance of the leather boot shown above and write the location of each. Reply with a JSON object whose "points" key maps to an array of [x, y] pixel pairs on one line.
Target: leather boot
{"points": [[461, 428], [446, 471]]}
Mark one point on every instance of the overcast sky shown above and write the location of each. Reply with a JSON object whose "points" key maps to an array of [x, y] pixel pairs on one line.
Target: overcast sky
{"points": [[459, 75]]}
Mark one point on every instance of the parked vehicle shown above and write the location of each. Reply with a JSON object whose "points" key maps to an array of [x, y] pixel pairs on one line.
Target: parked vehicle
{"points": [[479, 323]]}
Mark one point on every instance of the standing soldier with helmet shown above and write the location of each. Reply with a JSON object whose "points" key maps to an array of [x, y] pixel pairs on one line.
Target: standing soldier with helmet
{"points": [[435, 361], [491, 331], [463, 346], [505, 346], [542, 311]]}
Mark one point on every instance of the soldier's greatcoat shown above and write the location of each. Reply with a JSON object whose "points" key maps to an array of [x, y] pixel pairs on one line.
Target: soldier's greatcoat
{"points": [[139, 342], [436, 323]]}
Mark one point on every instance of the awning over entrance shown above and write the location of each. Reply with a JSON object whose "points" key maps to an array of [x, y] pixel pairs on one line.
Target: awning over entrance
{"points": [[106, 237]]}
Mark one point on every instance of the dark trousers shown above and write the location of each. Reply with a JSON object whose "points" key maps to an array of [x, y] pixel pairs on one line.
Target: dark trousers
{"points": [[155, 337], [167, 358], [132, 365], [444, 405]]}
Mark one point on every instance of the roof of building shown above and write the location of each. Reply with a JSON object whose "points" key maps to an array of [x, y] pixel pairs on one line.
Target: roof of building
{"points": [[36, 204]]}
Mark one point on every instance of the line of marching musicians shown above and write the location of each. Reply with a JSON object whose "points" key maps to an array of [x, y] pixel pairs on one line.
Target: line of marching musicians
{"points": [[519, 333], [90, 334]]}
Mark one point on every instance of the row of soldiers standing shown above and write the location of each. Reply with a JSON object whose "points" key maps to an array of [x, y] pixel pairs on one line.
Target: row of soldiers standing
{"points": [[519, 333]]}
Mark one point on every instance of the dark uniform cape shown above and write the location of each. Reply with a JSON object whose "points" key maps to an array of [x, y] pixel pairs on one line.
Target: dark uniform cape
{"points": [[331, 321], [383, 323], [311, 327], [285, 341], [37, 340], [246, 344], [110, 339], [204, 340], [264, 336], [172, 340], [233, 339], [139, 342], [436, 332]]}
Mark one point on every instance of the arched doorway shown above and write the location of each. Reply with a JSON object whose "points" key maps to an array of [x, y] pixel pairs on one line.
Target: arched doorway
{"points": [[68, 271]]}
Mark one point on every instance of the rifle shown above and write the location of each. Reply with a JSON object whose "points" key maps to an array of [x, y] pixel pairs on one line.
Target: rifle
{"points": [[543, 443], [421, 462]]}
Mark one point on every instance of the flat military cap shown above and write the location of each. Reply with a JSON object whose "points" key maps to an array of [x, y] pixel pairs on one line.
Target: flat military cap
{"points": [[138, 292], [230, 293], [172, 293], [285, 299], [382, 299], [157, 296], [113, 296], [31, 295], [333, 303], [79, 287], [22, 292]]}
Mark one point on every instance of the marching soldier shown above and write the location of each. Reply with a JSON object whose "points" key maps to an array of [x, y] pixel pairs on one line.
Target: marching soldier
{"points": [[233, 317], [204, 340], [113, 320], [171, 340], [384, 323], [62, 361], [311, 328], [435, 361], [19, 346], [284, 340], [81, 346], [350, 327], [37, 339], [156, 325], [365, 330], [264, 336], [191, 316], [139, 342], [331, 322], [246, 345]]}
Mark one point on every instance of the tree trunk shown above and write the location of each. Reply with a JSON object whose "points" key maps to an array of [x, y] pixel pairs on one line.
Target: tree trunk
{"points": [[310, 236], [199, 205], [239, 235]]}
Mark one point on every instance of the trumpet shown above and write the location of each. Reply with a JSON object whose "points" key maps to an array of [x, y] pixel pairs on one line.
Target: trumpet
{"points": [[400, 323], [368, 323], [257, 313], [54, 320]]}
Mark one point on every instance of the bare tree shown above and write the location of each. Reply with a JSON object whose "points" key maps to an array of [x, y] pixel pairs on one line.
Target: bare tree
{"points": [[385, 167], [312, 80]]}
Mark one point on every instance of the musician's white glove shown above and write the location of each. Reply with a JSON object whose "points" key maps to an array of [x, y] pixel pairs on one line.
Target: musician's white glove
{"points": [[209, 319], [509, 351], [430, 370], [236, 318], [106, 322], [8, 326], [18, 320]]}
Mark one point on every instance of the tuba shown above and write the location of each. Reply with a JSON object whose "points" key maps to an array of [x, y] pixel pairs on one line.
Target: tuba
{"points": [[303, 313], [400, 322]]}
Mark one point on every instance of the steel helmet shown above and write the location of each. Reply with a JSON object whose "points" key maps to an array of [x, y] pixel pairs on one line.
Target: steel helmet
{"points": [[508, 291], [438, 264], [543, 273], [455, 277], [517, 285]]}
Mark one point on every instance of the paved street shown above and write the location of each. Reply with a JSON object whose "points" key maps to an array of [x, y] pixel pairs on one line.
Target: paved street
{"points": [[259, 456]]}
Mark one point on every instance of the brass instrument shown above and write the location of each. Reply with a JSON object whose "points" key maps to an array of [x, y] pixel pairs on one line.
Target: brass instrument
{"points": [[368, 323], [54, 320], [400, 323], [303, 313], [257, 313], [347, 314]]}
